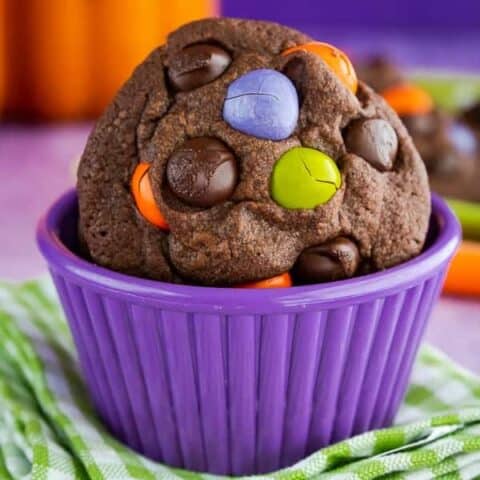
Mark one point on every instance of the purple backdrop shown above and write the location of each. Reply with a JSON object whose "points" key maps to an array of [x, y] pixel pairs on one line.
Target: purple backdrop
{"points": [[414, 33], [366, 13]]}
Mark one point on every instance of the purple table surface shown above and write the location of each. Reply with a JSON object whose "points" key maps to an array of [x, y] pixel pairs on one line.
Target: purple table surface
{"points": [[38, 163]]}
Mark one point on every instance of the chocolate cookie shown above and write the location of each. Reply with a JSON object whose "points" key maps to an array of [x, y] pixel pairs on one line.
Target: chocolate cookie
{"points": [[471, 116], [447, 145], [219, 163], [379, 72], [450, 151]]}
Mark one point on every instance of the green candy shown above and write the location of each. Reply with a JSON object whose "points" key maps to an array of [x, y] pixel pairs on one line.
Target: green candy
{"points": [[304, 178], [469, 215], [451, 92]]}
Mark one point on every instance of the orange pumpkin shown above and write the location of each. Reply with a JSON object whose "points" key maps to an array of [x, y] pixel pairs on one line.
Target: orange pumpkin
{"points": [[143, 194], [66, 60], [190, 9], [59, 61], [120, 48]]}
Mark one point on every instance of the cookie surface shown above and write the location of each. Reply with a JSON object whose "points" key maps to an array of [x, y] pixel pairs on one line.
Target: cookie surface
{"points": [[240, 233]]}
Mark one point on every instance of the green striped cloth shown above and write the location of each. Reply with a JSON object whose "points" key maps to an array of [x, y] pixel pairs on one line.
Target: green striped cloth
{"points": [[48, 430]]}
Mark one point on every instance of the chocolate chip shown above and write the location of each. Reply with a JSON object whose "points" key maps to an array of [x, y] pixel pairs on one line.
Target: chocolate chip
{"points": [[334, 260], [202, 172], [375, 140], [197, 65]]}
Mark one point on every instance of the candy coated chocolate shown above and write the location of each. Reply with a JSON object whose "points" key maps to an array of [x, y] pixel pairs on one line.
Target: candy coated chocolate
{"points": [[375, 140], [304, 178], [334, 260], [262, 103], [462, 138], [408, 99], [141, 188], [197, 65], [202, 172], [336, 60]]}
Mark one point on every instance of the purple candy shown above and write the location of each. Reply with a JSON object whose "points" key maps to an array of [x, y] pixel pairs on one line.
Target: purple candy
{"points": [[262, 103], [463, 138]]}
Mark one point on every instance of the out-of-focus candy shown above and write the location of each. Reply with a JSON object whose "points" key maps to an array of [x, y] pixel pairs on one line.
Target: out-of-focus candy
{"points": [[469, 215], [304, 178], [143, 196], [338, 62], [462, 277], [374, 140], [408, 99], [280, 281], [262, 103], [197, 65], [463, 138]]}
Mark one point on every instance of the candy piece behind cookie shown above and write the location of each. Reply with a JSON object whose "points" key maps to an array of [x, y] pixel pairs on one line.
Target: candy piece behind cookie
{"points": [[334, 58]]}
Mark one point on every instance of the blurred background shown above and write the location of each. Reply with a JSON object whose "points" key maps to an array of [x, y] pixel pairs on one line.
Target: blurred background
{"points": [[61, 61], [64, 59]]}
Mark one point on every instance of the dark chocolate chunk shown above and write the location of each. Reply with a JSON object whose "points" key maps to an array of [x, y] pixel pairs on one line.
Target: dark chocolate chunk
{"points": [[472, 115], [197, 65], [334, 260], [202, 172], [375, 140]]}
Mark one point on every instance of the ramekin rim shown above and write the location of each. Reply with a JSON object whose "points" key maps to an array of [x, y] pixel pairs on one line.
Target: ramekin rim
{"points": [[403, 276]]}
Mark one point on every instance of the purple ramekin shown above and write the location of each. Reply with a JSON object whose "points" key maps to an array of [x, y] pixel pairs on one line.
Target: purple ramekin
{"points": [[237, 381]]}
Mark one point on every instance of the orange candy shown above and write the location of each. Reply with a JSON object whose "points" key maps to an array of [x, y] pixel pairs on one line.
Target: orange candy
{"points": [[408, 99], [462, 277], [143, 195], [338, 62], [280, 281]]}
